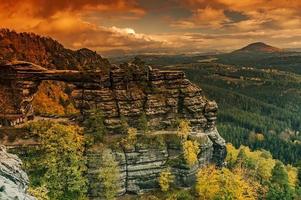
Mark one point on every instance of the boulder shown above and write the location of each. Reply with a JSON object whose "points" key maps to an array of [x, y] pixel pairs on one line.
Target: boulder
{"points": [[13, 180]]}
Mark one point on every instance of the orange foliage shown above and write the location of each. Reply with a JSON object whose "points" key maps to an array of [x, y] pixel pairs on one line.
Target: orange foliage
{"points": [[51, 99]]}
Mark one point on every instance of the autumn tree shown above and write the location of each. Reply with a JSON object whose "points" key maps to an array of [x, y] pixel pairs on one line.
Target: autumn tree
{"points": [[109, 174], [165, 179], [213, 183], [184, 129], [191, 150], [130, 139]]}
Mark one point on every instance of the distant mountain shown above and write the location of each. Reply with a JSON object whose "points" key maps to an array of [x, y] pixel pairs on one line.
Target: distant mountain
{"points": [[46, 52], [258, 47]]}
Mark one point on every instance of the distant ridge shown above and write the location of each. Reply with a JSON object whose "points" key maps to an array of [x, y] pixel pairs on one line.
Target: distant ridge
{"points": [[258, 47], [46, 52]]}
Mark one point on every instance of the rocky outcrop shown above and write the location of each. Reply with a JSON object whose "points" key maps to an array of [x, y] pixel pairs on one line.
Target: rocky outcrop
{"points": [[140, 167], [13, 180], [126, 91], [131, 91]]}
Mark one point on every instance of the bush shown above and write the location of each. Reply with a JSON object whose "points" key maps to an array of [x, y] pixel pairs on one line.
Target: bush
{"points": [[191, 150], [165, 179]]}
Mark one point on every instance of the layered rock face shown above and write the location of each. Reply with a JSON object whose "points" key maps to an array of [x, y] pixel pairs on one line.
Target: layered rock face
{"points": [[164, 97], [141, 166], [126, 91], [13, 180]]}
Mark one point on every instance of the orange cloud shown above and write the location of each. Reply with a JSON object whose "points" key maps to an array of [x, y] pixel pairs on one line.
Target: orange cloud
{"points": [[78, 23], [46, 8], [260, 13], [203, 17]]}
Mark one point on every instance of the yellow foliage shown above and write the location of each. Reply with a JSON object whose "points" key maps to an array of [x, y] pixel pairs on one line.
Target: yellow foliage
{"points": [[232, 153], [259, 137], [132, 134], [262, 165], [191, 150], [253, 137], [131, 138], [184, 129], [40, 193], [292, 175], [165, 179], [215, 183], [70, 109]]}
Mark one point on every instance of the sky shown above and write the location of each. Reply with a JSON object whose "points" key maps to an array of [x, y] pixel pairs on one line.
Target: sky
{"points": [[116, 27]]}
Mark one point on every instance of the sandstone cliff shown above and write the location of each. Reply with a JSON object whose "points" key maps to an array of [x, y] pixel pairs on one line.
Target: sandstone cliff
{"points": [[129, 90], [13, 180]]}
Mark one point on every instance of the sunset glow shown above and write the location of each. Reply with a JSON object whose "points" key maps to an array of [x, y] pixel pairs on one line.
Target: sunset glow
{"points": [[172, 26]]}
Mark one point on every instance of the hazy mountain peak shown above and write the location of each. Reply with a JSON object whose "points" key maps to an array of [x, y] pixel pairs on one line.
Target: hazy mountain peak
{"points": [[258, 47]]}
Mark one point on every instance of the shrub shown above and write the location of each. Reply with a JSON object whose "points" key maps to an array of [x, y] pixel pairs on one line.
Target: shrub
{"points": [[143, 125], [165, 179], [191, 150], [184, 129]]}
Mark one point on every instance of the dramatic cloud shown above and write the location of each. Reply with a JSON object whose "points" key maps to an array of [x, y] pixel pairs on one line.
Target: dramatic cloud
{"points": [[171, 26], [259, 13], [205, 17]]}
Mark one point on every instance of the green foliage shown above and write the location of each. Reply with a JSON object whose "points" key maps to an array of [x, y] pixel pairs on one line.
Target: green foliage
{"points": [[279, 188], [58, 163], [109, 174], [95, 128], [123, 125], [184, 195]]}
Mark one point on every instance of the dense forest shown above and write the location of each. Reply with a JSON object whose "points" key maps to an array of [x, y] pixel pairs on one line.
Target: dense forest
{"points": [[254, 102]]}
